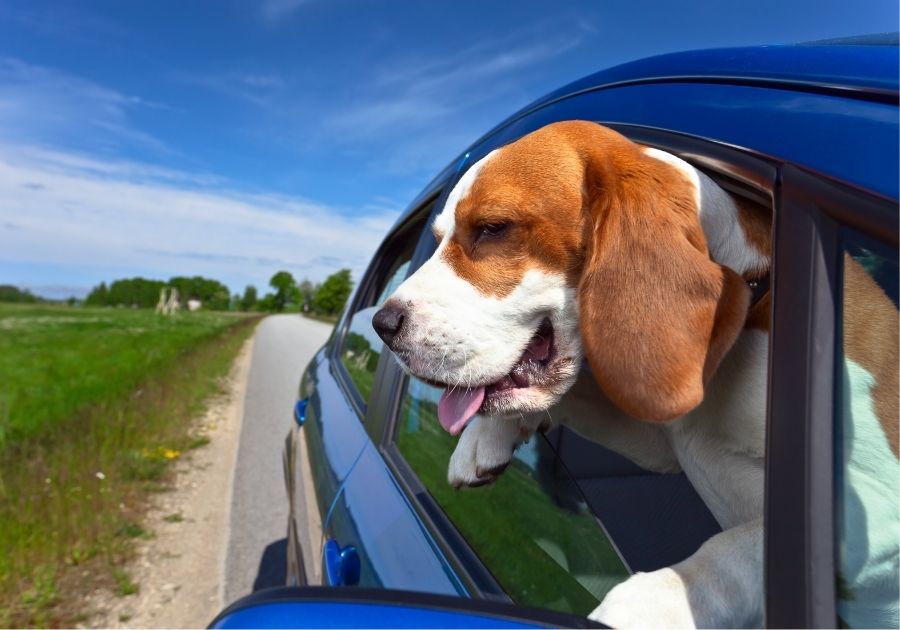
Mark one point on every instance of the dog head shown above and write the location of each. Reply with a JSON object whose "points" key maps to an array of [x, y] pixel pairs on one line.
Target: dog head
{"points": [[572, 240]]}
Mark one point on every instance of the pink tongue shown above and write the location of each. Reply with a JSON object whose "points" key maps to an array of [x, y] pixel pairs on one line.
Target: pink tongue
{"points": [[457, 406]]}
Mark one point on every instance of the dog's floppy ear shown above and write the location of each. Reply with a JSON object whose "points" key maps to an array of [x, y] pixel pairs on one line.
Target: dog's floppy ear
{"points": [[657, 315]]}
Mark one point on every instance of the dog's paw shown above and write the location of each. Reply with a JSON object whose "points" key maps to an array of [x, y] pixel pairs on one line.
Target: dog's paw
{"points": [[647, 600], [484, 450]]}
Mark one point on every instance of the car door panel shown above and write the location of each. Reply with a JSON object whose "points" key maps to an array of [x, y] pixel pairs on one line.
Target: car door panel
{"points": [[334, 435], [394, 550]]}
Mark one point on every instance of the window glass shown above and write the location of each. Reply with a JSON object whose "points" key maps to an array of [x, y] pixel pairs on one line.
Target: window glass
{"points": [[362, 347], [532, 528], [868, 474]]}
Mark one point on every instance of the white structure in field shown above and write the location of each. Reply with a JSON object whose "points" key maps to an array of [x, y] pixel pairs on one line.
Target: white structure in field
{"points": [[194, 304], [168, 301]]}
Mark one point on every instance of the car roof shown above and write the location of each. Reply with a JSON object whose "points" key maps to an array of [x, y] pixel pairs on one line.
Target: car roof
{"points": [[864, 67], [867, 71]]}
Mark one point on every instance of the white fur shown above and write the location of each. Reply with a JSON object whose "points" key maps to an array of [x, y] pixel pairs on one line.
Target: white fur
{"points": [[444, 222], [721, 444], [870, 519], [719, 217], [486, 445], [720, 586]]}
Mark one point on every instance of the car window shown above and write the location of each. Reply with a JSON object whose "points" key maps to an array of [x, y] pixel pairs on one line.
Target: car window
{"points": [[532, 529], [361, 347], [867, 469], [568, 519]]}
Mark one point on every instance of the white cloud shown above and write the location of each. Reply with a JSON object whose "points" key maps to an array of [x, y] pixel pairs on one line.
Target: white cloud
{"points": [[66, 209], [255, 88], [42, 104], [415, 92]]}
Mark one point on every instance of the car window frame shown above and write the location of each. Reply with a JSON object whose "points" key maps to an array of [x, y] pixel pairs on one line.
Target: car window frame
{"points": [[370, 282], [744, 172], [804, 358]]}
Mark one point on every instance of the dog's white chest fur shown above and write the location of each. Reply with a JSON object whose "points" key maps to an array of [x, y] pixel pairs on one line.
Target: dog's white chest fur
{"points": [[721, 445]]}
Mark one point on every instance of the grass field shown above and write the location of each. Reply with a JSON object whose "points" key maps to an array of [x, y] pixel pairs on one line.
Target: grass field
{"points": [[94, 406]]}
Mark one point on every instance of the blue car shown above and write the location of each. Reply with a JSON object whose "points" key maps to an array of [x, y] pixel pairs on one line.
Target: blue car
{"points": [[811, 132]]}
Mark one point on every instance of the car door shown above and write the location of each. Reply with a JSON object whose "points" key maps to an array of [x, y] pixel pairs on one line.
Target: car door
{"points": [[367, 505]]}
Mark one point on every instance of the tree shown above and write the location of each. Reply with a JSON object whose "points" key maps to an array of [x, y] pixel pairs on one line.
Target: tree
{"points": [[212, 294], [9, 293], [267, 303], [285, 288], [248, 302], [99, 296], [134, 292], [307, 293], [333, 293]]}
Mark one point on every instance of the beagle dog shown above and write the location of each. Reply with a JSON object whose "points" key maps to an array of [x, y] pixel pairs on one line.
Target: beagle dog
{"points": [[575, 242]]}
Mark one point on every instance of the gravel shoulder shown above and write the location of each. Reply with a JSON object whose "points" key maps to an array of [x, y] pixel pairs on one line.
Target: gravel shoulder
{"points": [[180, 568]]}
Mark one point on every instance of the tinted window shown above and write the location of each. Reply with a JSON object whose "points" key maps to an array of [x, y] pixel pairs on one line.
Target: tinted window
{"points": [[532, 528], [361, 347], [868, 474]]}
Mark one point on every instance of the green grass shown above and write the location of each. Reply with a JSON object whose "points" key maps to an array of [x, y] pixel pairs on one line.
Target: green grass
{"points": [[543, 554], [95, 405], [55, 361], [322, 317]]}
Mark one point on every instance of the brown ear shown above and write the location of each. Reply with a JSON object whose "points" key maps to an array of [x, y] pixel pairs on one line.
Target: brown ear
{"points": [[657, 314]]}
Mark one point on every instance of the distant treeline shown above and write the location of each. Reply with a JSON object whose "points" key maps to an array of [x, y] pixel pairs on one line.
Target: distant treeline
{"points": [[144, 293], [327, 298], [9, 293]]}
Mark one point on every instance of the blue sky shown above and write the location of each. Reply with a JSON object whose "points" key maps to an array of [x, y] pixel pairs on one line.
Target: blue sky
{"points": [[234, 138]]}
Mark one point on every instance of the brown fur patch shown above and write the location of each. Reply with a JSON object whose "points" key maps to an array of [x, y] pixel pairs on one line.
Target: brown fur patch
{"points": [[756, 223], [760, 315], [533, 187], [871, 340], [657, 315]]}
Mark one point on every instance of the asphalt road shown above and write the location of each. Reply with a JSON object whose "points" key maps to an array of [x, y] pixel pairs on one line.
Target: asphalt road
{"points": [[283, 345]]}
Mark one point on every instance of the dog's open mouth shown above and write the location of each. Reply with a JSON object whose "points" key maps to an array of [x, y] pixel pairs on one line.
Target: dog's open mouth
{"points": [[457, 405]]}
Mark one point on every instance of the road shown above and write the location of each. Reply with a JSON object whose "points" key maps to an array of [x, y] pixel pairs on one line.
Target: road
{"points": [[283, 345]]}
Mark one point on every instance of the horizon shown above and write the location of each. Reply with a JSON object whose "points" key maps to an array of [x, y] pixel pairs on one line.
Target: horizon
{"points": [[234, 140]]}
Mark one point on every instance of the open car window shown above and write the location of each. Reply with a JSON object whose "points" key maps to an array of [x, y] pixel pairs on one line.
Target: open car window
{"points": [[568, 519]]}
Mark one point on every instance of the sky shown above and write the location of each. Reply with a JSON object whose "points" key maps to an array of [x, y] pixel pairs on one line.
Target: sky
{"points": [[236, 138]]}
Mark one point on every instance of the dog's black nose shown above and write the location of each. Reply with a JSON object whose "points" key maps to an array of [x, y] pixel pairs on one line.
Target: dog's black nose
{"points": [[388, 321]]}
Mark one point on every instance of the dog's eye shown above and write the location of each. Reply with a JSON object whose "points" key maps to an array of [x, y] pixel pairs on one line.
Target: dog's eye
{"points": [[493, 229], [489, 231]]}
